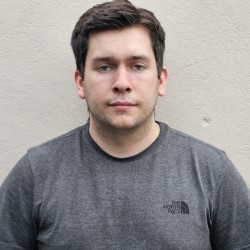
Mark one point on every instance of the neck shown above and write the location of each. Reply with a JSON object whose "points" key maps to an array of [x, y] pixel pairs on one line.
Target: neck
{"points": [[122, 143]]}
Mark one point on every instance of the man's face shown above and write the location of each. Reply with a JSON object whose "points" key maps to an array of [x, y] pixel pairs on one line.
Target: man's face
{"points": [[120, 82]]}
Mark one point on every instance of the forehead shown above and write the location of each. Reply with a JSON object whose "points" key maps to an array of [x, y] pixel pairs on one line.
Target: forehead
{"points": [[130, 41]]}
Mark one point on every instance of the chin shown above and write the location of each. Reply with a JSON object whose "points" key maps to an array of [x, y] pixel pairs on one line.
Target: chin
{"points": [[126, 123], [123, 125], [122, 122]]}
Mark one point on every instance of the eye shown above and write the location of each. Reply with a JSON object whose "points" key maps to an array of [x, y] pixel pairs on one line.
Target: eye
{"points": [[104, 68], [138, 67]]}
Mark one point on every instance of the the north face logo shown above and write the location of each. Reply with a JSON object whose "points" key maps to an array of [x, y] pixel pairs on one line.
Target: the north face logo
{"points": [[177, 207]]}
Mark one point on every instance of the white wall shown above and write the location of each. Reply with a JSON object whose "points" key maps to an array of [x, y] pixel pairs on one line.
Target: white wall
{"points": [[208, 56]]}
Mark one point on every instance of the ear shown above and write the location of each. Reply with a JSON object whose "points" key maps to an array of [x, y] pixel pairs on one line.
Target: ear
{"points": [[163, 82], [79, 83]]}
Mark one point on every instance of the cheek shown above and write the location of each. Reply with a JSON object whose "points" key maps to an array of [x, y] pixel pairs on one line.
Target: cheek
{"points": [[97, 83], [95, 93], [149, 88]]}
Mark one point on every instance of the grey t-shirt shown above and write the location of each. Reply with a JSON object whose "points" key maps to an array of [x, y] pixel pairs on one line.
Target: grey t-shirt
{"points": [[179, 193]]}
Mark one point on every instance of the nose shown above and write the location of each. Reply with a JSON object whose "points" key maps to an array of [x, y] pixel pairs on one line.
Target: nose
{"points": [[122, 83]]}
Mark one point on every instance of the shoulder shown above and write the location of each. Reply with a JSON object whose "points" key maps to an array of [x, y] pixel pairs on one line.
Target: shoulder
{"points": [[49, 157], [185, 144], [208, 163], [47, 153], [58, 145]]}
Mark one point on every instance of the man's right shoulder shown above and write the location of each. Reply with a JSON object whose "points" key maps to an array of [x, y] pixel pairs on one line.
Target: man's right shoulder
{"points": [[62, 144]]}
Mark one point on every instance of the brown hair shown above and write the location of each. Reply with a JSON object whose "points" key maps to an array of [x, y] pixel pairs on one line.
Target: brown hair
{"points": [[117, 14]]}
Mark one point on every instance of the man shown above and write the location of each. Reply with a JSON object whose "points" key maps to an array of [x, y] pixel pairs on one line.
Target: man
{"points": [[123, 180]]}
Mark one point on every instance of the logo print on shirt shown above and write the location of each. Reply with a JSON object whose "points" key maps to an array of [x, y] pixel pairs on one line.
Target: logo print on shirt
{"points": [[177, 207]]}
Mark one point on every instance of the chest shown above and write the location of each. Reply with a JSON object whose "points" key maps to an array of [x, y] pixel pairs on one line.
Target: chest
{"points": [[122, 210]]}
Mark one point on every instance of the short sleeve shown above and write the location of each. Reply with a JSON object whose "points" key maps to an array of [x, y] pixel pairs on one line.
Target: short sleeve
{"points": [[231, 212], [17, 227]]}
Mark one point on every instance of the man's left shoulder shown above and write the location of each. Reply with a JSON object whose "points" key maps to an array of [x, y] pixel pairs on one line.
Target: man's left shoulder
{"points": [[189, 144], [197, 154], [206, 162]]}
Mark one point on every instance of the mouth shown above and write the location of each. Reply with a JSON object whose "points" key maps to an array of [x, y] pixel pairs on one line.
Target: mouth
{"points": [[122, 105]]}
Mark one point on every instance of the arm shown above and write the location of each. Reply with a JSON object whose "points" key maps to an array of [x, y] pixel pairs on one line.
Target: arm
{"points": [[17, 227], [231, 212]]}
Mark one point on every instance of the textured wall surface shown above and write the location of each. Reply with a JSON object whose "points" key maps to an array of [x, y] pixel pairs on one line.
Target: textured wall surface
{"points": [[207, 54]]}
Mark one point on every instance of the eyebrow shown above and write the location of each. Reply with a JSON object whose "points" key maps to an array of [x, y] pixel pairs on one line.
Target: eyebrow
{"points": [[102, 59], [99, 59], [142, 57]]}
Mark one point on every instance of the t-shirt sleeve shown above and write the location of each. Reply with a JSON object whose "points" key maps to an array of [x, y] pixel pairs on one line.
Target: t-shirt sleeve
{"points": [[17, 227], [231, 212]]}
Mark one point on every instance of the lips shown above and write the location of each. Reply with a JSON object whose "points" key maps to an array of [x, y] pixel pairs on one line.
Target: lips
{"points": [[122, 104]]}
